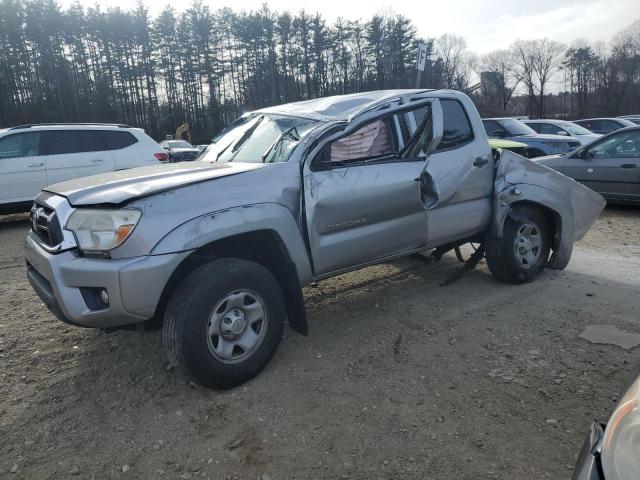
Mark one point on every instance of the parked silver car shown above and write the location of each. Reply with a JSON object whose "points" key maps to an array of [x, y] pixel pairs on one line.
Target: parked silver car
{"points": [[563, 128], [220, 249], [604, 125], [609, 166]]}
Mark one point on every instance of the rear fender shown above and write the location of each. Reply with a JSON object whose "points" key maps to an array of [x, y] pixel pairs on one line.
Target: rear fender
{"points": [[574, 207]]}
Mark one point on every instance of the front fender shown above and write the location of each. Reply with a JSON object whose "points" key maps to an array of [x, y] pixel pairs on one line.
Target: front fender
{"points": [[221, 224], [575, 207]]}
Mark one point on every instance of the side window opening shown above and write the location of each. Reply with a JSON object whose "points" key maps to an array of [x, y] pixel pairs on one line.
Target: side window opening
{"points": [[74, 141], [116, 140], [25, 144], [374, 140], [392, 137], [624, 145], [536, 126]]}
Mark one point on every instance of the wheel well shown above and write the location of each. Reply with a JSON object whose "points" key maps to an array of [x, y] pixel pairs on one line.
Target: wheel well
{"points": [[555, 222], [262, 246]]}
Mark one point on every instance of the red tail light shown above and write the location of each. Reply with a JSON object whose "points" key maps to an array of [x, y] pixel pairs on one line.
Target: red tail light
{"points": [[161, 156]]}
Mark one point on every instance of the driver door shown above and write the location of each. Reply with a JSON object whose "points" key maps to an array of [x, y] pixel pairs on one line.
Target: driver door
{"points": [[610, 166], [362, 189]]}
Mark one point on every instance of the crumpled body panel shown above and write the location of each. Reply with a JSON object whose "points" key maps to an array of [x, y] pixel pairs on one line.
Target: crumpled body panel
{"points": [[575, 206]]}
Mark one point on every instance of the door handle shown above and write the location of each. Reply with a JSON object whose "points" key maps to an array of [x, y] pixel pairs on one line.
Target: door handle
{"points": [[628, 165], [480, 162], [97, 160], [33, 165]]}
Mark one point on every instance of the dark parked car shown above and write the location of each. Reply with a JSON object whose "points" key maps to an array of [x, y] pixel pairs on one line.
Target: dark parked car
{"points": [[612, 452], [537, 144], [609, 166], [180, 150], [604, 125]]}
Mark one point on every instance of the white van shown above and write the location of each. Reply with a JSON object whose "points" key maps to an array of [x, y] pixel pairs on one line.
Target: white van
{"points": [[34, 156]]}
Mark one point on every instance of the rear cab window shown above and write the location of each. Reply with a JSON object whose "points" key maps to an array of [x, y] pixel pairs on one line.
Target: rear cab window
{"points": [[457, 130]]}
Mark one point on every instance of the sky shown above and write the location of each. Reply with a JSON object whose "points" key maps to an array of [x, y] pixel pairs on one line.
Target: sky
{"points": [[487, 25]]}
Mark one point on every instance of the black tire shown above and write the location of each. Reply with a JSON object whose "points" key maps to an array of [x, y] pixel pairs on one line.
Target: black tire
{"points": [[502, 259], [188, 320]]}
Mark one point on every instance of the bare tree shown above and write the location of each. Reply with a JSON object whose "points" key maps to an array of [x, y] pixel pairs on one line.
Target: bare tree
{"points": [[497, 77], [535, 63], [456, 60]]}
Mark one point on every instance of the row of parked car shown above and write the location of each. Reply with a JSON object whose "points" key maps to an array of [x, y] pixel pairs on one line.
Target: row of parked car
{"points": [[550, 136], [33, 156], [606, 160]]}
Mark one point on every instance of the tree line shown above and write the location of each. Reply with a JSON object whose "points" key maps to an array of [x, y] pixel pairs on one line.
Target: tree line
{"points": [[206, 66]]}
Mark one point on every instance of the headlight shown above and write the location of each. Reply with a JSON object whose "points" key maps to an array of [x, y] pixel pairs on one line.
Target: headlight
{"points": [[100, 230], [621, 441]]}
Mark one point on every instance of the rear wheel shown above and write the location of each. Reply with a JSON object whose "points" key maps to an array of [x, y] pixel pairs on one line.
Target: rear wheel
{"points": [[522, 252], [224, 322]]}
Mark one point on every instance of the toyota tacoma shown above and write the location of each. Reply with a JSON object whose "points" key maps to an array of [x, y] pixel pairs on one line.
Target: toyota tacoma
{"points": [[218, 250]]}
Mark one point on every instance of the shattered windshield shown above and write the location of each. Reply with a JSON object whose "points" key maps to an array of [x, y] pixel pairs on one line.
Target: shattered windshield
{"points": [[259, 138]]}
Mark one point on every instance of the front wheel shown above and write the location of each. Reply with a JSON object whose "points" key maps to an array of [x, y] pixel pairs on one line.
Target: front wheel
{"points": [[522, 252], [224, 322]]}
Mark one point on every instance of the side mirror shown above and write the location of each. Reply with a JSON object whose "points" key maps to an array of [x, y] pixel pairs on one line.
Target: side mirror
{"points": [[498, 134], [583, 154], [167, 148]]}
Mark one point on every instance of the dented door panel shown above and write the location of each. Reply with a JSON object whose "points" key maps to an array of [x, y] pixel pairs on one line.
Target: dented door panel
{"points": [[360, 213]]}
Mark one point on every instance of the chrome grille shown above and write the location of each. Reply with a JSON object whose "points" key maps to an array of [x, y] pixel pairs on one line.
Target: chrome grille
{"points": [[45, 224]]}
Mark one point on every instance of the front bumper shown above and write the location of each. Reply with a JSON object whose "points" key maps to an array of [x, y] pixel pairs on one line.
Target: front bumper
{"points": [[134, 285], [588, 466]]}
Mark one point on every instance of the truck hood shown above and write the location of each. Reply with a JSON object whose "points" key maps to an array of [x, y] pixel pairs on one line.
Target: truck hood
{"points": [[115, 188]]}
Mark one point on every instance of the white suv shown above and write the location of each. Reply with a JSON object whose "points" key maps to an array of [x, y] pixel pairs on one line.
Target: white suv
{"points": [[34, 156]]}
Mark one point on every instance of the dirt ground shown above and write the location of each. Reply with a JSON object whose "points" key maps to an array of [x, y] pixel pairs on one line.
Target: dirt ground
{"points": [[400, 378]]}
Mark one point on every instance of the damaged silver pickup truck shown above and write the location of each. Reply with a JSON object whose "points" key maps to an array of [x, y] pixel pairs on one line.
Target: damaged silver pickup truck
{"points": [[218, 250]]}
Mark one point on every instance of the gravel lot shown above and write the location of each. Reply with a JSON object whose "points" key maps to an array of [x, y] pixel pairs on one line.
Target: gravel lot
{"points": [[400, 378]]}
